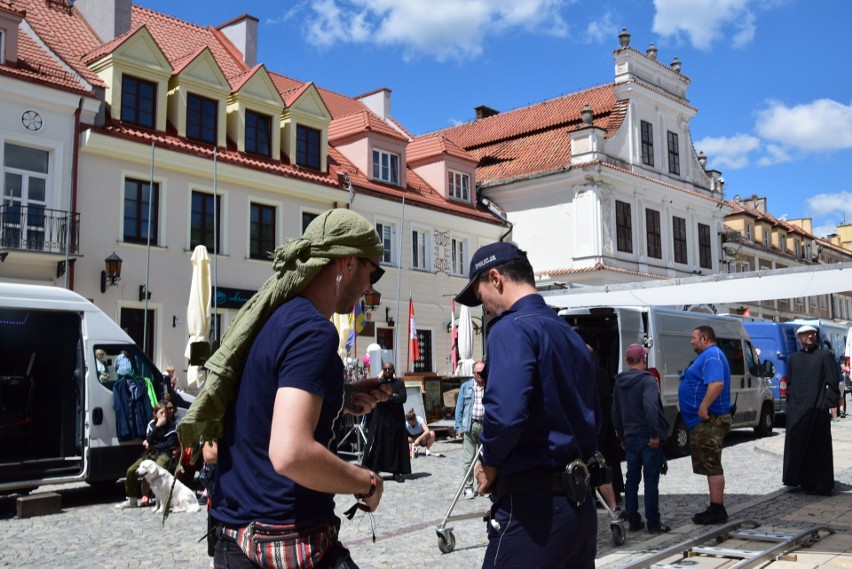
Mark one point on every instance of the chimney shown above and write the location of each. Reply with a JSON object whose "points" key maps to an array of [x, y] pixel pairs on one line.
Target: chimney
{"points": [[378, 101], [242, 32], [108, 18], [483, 112]]}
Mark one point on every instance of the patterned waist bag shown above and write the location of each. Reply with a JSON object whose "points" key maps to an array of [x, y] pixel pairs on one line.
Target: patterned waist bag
{"points": [[288, 546]]}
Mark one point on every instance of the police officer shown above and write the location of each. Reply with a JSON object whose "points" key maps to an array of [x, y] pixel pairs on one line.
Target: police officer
{"points": [[541, 418]]}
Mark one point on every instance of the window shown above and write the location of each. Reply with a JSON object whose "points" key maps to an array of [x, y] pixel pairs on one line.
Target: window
{"points": [[654, 233], [307, 218], [308, 147], [261, 231], [705, 249], [647, 143], [258, 133], [745, 267], [385, 232], [822, 303], [140, 327], [204, 227], [459, 185], [138, 202], [674, 154], [25, 175], [765, 237], [782, 243], [138, 101], [385, 167], [458, 261], [419, 249], [623, 227], [808, 255], [424, 362], [748, 232], [733, 350], [797, 247], [679, 232], [201, 114]]}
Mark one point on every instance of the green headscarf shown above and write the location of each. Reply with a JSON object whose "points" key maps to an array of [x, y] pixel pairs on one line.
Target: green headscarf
{"points": [[336, 233]]}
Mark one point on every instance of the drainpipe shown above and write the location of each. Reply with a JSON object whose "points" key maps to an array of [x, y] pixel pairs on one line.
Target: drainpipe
{"points": [[75, 157]]}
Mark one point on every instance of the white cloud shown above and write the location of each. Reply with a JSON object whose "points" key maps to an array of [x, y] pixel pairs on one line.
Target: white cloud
{"points": [[451, 29], [601, 30], [824, 229], [727, 151], [706, 22], [822, 125], [775, 154], [839, 204]]}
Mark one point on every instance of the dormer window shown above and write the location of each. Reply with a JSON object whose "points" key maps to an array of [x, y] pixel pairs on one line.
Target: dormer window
{"points": [[386, 167], [308, 147], [138, 101], [201, 114], [258, 133], [458, 185]]}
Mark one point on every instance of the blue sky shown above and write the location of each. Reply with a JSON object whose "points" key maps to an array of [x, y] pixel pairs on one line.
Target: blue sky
{"points": [[771, 79]]}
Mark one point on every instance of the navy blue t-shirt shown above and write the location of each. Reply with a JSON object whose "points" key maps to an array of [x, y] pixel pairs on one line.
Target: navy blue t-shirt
{"points": [[297, 347]]}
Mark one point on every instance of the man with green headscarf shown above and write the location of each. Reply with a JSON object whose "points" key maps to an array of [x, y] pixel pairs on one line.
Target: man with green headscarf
{"points": [[281, 383]]}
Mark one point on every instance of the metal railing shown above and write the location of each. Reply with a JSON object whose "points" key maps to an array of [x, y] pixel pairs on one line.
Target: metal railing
{"points": [[37, 228]]}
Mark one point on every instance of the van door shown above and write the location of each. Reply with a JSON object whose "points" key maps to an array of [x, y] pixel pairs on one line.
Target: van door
{"points": [[740, 381], [632, 328]]}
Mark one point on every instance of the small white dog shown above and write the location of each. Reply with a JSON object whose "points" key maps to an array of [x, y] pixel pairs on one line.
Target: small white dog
{"points": [[160, 480]]}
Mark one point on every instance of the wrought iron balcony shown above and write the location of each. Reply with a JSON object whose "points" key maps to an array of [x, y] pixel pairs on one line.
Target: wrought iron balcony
{"points": [[37, 228]]}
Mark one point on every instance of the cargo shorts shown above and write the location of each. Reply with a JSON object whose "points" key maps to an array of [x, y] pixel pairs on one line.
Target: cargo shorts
{"points": [[705, 440]]}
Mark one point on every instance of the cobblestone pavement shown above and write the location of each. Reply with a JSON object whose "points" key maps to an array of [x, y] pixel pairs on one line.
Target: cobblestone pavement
{"points": [[89, 532]]}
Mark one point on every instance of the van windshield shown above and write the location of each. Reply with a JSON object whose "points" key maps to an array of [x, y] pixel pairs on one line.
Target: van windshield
{"points": [[115, 361]]}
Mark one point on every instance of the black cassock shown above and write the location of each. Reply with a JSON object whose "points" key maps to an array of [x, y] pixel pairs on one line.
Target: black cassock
{"points": [[387, 445], [812, 389]]}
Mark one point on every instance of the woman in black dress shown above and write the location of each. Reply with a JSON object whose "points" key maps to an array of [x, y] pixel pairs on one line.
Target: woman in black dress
{"points": [[387, 445]]}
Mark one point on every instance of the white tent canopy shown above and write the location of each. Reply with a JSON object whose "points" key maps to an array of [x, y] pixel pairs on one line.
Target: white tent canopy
{"points": [[795, 282]]}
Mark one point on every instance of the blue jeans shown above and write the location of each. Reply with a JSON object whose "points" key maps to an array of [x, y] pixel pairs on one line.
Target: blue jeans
{"points": [[643, 460]]}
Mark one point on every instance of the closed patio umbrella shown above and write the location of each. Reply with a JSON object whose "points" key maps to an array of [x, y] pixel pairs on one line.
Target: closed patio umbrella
{"points": [[465, 332], [198, 313]]}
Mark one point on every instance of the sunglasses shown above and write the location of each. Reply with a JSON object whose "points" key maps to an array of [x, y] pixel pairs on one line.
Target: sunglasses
{"points": [[377, 273]]}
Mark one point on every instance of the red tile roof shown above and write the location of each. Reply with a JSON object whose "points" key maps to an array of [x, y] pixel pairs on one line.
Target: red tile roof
{"points": [[35, 65], [67, 34], [598, 267], [534, 139], [435, 145], [360, 122]]}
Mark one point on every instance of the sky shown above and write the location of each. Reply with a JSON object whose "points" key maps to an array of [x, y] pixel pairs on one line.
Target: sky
{"points": [[771, 79]]}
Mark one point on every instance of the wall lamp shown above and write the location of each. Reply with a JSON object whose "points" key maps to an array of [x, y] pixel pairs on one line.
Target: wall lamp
{"points": [[372, 299], [388, 317], [144, 293], [112, 274]]}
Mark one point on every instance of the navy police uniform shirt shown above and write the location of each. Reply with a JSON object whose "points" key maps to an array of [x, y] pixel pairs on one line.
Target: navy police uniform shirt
{"points": [[540, 401]]}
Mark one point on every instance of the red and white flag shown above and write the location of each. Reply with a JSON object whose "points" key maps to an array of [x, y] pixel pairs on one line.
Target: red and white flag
{"points": [[747, 311], [414, 349], [454, 337]]}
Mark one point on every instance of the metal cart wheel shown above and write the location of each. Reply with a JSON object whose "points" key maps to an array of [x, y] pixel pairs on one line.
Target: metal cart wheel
{"points": [[617, 534], [446, 540]]}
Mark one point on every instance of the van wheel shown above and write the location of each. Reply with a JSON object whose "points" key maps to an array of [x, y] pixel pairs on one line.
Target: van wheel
{"points": [[767, 419], [679, 441]]}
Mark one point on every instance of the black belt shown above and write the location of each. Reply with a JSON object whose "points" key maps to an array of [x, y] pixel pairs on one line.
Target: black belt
{"points": [[574, 481], [476, 420]]}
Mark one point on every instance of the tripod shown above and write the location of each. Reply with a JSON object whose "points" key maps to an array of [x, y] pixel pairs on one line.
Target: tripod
{"points": [[353, 443]]}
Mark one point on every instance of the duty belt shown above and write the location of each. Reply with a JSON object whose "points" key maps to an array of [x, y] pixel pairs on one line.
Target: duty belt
{"points": [[573, 482]]}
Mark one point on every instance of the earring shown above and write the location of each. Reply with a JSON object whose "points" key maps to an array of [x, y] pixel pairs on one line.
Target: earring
{"points": [[337, 285]]}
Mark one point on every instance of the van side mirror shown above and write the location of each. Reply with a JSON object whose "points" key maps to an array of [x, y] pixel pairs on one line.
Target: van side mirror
{"points": [[768, 368]]}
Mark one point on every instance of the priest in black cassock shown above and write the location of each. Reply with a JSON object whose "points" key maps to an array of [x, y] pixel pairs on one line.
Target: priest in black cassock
{"points": [[812, 390]]}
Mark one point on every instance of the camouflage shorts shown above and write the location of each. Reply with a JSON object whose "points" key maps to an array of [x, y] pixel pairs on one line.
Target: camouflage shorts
{"points": [[705, 440]]}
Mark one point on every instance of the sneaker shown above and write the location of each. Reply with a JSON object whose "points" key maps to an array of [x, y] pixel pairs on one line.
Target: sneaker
{"points": [[469, 494], [427, 452], [662, 528], [842, 414], [128, 503], [714, 514], [415, 452]]}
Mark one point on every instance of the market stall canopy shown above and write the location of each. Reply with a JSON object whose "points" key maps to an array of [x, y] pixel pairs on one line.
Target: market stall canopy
{"points": [[794, 282]]}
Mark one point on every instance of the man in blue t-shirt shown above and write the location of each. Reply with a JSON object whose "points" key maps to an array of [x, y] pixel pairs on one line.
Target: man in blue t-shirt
{"points": [[704, 396]]}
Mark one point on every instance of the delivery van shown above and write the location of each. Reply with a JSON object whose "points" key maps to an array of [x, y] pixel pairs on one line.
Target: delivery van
{"points": [[667, 332], [61, 359], [774, 342]]}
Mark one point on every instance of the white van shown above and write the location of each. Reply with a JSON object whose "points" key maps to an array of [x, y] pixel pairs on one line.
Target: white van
{"points": [[667, 332], [57, 418]]}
